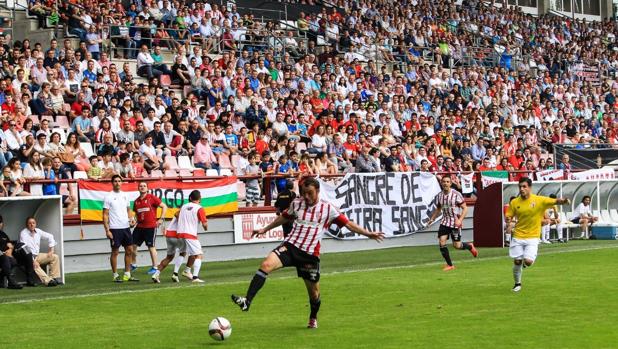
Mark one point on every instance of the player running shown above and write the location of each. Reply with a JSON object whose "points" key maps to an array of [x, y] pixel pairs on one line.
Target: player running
{"points": [[145, 207], [529, 209], [174, 245], [301, 248], [451, 203], [189, 216]]}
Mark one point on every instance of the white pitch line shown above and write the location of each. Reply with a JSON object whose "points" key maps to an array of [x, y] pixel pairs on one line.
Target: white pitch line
{"points": [[350, 271]]}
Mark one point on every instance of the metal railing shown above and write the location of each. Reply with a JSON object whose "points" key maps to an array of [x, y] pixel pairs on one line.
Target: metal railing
{"points": [[267, 180]]}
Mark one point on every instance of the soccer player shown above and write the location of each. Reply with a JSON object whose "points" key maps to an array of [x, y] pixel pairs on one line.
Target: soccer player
{"points": [[451, 203], [174, 245], [145, 207], [529, 209], [117, 219], [551, 218], [189, 216], [301, 249]]}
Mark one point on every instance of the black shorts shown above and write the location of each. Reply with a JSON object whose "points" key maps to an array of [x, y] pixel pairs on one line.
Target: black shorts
{"points": [[454, 233], [141, 235], [307, 266], [122, 237]]}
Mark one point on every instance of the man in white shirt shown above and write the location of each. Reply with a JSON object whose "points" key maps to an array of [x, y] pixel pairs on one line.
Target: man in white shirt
{"points": [[280, 128], [31, 238], [145, 64], [117, 218], [12, 137]]}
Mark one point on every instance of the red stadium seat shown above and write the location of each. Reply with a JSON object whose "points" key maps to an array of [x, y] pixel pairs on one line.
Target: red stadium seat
{"points": [[62, 121], [156, 174], [224, 162], [172, 163], [171, 173]]}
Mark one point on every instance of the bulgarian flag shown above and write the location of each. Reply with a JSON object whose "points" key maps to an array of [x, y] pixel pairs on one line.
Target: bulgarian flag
{"points": [[491, 177], [218, 195]]}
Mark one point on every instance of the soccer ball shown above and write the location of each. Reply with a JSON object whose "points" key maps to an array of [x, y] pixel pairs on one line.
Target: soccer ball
{"points": [[220, 329]]}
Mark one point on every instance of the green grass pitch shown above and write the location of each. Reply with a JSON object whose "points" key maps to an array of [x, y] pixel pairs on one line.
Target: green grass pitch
{"points": [[392, 298]]}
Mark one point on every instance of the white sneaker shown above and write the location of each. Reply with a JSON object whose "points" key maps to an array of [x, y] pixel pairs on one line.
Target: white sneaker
{"points": [[175, 278], [517, 288], [187, 274], [197, 281], [155, 277]]}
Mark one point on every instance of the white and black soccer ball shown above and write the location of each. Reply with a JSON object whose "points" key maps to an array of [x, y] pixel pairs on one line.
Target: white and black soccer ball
{"points": [[220, 329]]}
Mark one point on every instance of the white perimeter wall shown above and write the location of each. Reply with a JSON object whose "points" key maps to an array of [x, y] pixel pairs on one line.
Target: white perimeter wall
{"points": [[92, 253]]}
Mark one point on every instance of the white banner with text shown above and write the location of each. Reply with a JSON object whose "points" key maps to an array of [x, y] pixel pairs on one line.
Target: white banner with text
{"points": [[244, 224], [396, 203]]}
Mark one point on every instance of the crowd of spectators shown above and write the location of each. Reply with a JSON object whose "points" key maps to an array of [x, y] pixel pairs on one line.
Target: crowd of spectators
{"points": [[359, 96]]}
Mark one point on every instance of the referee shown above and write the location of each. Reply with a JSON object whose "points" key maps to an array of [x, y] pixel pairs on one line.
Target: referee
{"points": [[116, 213]]}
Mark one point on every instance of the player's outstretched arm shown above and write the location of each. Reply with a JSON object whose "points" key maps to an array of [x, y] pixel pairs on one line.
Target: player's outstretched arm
{"points": [[434, 215], [281, 219], [378, 236], [563, 201]]}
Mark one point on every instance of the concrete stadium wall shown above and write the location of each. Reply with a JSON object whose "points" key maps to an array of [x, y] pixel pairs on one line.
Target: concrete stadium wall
{"points": [[92, 253]]}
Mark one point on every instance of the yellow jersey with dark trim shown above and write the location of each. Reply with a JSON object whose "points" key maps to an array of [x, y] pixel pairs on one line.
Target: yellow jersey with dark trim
{"points": [[529, 213]]}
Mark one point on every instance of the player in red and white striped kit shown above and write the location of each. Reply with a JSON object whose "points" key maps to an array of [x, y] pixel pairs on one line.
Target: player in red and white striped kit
{"points": [[301, 248], [451, 203], [190, 216], [174, 245]]}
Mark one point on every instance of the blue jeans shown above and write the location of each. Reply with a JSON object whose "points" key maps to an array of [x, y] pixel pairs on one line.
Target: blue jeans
{"points": [[5, 157], [79, 32], [204, 166]]}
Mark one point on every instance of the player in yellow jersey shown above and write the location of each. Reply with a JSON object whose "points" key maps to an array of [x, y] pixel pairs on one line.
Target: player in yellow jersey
{"points": [[529, 210]]}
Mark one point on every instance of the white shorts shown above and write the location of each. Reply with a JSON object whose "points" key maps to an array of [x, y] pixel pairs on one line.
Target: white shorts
{"points": [[194, 247], [175, 244], [524, 248]]}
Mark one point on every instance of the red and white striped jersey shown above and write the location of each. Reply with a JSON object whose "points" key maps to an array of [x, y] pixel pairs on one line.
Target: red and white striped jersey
{"points": [[172, 229], [310, 222], [451, 206], [189, 219]]}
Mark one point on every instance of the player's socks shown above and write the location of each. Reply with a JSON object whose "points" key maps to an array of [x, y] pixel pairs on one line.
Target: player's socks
{"points": [[315, 307], [446, 255], [517, 270], [559, 231], [196, 267], [466, 246], [256, 284], [177, 263]]}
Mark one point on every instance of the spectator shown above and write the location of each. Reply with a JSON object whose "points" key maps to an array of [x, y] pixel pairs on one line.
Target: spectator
{"points": [[203, 156], [31, 237], [7, 261], [252, 186], [582, 215]]}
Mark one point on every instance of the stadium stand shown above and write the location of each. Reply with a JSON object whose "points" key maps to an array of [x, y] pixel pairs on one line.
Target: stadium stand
{"points": [[463, 86]]}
